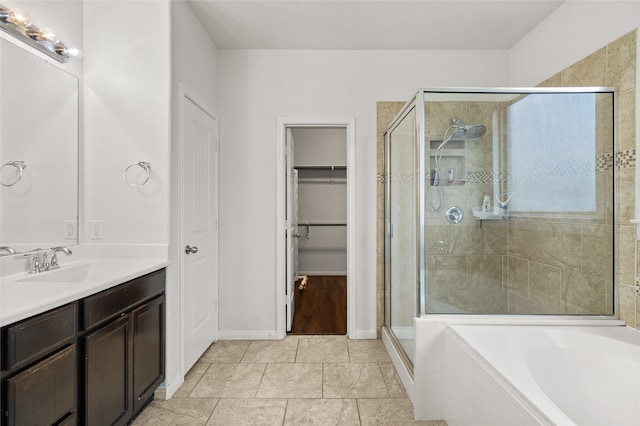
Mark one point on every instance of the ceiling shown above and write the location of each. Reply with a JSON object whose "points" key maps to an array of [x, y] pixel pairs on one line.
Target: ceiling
{"points": [[367, 24]]}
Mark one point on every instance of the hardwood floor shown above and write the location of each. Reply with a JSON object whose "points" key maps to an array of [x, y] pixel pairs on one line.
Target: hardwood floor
{"points": [[321, 308]]}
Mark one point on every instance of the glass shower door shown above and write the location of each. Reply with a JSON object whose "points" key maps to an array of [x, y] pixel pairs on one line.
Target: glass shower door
{"points": [[401, 222]]}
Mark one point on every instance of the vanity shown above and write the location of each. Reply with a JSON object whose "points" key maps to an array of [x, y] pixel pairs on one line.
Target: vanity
{"points": [[83, 341], [96, 357]]}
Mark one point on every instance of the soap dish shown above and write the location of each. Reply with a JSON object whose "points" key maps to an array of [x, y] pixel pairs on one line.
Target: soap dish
{"points": [[479, 214]]}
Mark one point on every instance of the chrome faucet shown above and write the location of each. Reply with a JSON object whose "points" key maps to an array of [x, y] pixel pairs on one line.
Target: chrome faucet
{"points": [[34, 268], [51, 254]]}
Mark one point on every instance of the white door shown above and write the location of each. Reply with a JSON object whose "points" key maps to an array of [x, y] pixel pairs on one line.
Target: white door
{"points": [[292, 233], [200, 232]]}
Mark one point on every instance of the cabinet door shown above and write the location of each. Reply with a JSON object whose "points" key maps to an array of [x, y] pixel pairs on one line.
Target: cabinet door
{"points": [[108, 396], [44, 394], [148, 350]]}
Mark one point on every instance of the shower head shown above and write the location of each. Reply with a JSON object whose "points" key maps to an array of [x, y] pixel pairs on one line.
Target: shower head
{"points": [[467, 131], [474, 131], [461, 130]]}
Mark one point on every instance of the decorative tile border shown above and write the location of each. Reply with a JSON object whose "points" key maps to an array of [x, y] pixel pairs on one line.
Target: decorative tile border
{"points": [[623, 160], [403, 178], [604, 162], [626, 159]]}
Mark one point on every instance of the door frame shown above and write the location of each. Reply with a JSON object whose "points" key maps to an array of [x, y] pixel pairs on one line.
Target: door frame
{"points": [[186, 94], [348, 124]]}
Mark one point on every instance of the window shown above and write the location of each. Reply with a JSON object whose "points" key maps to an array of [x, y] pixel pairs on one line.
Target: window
{"points": [[551, 149]]}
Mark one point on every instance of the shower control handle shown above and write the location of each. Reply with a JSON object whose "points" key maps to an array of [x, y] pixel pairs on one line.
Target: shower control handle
{"points": [[190, 250]]}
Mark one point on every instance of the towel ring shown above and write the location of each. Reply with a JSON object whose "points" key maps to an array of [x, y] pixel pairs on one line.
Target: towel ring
{"points": [[20, 165], [144, 165]]}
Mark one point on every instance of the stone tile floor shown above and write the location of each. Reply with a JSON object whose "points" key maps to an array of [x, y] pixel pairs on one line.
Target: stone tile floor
{"points": [[300, 380]]}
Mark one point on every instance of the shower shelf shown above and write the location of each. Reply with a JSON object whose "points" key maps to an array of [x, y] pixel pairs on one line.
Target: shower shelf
{"points": [[480, 215], [447, 162]]}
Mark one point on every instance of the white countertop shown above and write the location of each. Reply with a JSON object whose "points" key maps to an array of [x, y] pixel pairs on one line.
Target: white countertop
{"points": [[23, 295]]}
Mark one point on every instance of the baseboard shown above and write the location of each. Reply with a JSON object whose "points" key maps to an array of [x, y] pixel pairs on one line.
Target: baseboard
{"points": [[336, 273], [247, 335], [166, 392], [363, 334]]}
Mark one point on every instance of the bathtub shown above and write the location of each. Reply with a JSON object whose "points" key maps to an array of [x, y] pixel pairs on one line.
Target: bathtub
{"points": [[541, 374]]}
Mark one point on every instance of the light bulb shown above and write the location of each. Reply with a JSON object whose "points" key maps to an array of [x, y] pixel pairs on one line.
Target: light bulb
{"points": [[20, 18], [47, 35], [74, 52], [67, 52]]}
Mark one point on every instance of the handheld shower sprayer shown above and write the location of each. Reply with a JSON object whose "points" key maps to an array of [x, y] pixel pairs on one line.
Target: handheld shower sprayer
{"points": [[460, 131]]}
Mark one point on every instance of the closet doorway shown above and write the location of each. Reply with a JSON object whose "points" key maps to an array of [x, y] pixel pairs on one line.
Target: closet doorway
{"points": [[317, 212], [316, 208]]}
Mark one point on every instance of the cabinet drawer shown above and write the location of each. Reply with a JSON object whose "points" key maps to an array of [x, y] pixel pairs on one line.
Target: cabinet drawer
{"points": [[115, 301], [28, 340], [45, 393]]}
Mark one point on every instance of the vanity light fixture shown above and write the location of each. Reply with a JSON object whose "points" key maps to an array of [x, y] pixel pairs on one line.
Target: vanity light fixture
{"points": [[17, 22]]}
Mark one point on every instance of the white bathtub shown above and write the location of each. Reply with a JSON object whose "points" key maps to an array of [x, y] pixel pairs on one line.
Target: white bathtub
{"points": [[541, 374]]}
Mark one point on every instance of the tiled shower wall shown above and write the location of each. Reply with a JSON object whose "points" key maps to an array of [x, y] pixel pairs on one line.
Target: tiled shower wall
{"points": [[541, 266]]}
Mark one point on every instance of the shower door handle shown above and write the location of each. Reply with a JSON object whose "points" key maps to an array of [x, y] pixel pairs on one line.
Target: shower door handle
{"points": [[190, 250]]}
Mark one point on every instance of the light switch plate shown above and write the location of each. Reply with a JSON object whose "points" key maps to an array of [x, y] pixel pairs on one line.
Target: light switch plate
{"points": [[70, 230], [95, 229]]}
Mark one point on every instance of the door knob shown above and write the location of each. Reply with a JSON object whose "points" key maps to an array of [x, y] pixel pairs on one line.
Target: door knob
{"points": [[189, 249]]}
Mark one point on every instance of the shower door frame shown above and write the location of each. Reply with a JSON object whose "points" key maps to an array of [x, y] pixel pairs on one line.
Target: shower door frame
{"points": [[418, 102], [417, 106], [422, 149]]}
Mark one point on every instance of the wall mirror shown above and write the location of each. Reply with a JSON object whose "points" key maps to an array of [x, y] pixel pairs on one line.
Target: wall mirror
{"points": [[38, 152]]}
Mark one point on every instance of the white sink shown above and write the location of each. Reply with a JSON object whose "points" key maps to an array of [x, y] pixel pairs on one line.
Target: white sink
{"points": [[89, 272], [69, 274], [23, 295]]}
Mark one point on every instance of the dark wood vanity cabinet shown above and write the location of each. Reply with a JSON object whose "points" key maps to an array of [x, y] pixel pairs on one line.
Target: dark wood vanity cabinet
{"points": [[96, 361], [39, 375], [124, 364], [44, 394], [108, 373]]}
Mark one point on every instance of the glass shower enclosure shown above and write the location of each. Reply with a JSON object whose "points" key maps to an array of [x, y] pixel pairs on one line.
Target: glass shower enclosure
{"points": [[499, 202]]}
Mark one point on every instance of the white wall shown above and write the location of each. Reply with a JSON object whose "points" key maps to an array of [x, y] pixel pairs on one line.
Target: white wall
{"points": [[317, 146], [262, 85], [193, 63], [127, 80], [575, 30]]}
